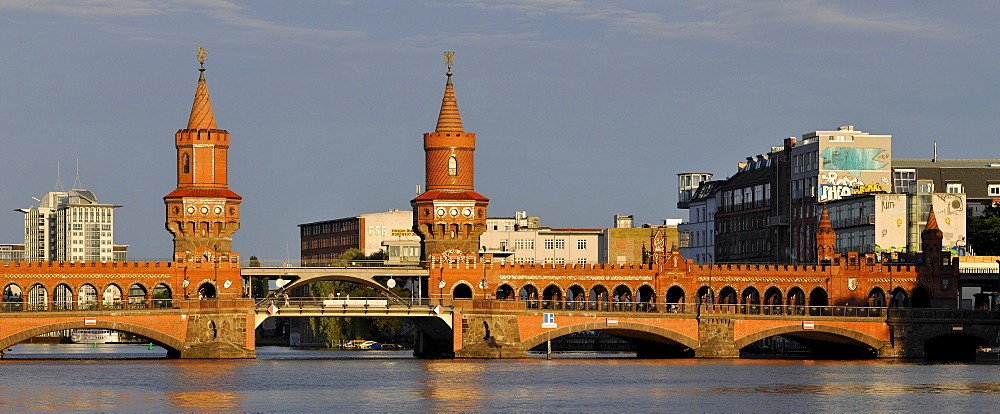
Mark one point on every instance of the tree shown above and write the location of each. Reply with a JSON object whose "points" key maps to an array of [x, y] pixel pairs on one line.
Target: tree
{"points": [[984, 232]]}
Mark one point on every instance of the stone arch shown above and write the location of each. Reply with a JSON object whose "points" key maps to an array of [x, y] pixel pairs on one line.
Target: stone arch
{"points": [[529, 294], [577, 297], [705, 294], [461, 291], [162, 296], [62, 297], [601, 297], [855, 337], [675, 294], [625, 329], [171, 344], [13, 298], [111, 297], [921, 297], [750, 296], [819, 297], [86, 297], [876, 297], [38, 297], [728, 296], [622, 298], [552, 296], [645, 298], [207, 290], [137, 296], [898, 298], [505, 292]]}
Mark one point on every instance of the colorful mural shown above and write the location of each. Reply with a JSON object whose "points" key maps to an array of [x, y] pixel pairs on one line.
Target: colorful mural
{"points": [[852, 159]]}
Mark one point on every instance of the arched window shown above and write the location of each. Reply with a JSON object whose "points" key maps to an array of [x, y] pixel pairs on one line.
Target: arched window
{"points": [[452, 166], [112, 298], [186, 164], [87, 297], [63, 298]]}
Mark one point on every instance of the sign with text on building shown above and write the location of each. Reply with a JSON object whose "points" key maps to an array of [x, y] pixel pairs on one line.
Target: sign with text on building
{"points": [[549, 320], [808, 325], [90, 321], [612, 322]]}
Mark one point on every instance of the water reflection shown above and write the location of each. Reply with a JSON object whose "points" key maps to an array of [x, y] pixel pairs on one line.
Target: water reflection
{"points": [[455, 385]]}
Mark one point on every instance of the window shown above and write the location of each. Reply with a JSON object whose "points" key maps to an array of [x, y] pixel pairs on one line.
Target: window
{"points": [[581, 244], [904, 181], [582, 260], [993, 190], [560, 244], [549, 243], [954, 188], [452, 166], [186, 164]]}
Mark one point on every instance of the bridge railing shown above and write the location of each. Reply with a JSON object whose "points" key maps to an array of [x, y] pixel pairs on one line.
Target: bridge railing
{"points": [[119, 305], [956, 315], [333, 264], [345, 303]]}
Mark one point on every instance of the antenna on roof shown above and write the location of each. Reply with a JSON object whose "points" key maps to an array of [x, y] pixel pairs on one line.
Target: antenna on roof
{"points": [[76, 182], [59, 184]]}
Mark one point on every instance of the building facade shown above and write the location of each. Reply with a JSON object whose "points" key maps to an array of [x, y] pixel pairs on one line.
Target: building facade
{"points": [[979, 180], [323, 242], [70, 226]]}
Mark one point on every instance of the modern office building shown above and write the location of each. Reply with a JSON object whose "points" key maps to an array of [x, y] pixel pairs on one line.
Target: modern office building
{"points": [[71, 226]]}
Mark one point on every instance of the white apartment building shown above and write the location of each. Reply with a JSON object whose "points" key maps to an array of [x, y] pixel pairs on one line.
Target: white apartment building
{"points": [[521, 240], [70, 226]]}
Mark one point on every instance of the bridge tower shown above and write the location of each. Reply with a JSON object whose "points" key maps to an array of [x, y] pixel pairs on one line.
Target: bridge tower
{"points": [[449, 216], [826, 239], [932, 239], [202, 213]]}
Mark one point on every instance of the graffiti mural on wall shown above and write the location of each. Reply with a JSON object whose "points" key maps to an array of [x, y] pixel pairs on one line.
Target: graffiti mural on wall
{"points": [[852, 159], [833, 186]]}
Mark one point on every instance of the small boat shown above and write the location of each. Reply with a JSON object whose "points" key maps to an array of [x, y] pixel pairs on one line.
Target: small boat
{"points": [[988, 356], [93, 336]]}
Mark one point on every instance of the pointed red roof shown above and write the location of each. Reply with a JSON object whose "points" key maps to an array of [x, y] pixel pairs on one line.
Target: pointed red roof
{"points": [[931, 228], [824, 222], [449, 120], [202, 116]]}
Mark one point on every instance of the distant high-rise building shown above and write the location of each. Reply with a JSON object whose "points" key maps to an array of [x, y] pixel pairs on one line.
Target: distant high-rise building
{"points": [[70, 226]]}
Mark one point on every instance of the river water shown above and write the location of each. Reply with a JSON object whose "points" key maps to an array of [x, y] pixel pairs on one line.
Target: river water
{"points": [[131, 378]]}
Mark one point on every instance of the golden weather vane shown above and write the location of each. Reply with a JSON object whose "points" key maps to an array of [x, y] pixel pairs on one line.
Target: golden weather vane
{"points": [[201, 55], [449, 59]]}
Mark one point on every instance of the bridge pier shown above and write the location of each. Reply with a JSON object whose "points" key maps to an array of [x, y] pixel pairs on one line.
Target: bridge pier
{"points": [[716, 336], [218, 335], [487, 331]]}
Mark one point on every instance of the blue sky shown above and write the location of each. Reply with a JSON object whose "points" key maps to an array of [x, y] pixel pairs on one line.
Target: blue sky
{"points": [[582, 109]]}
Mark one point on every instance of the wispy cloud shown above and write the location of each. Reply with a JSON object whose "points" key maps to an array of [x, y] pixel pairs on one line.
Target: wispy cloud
{"points": [[715, 19], [87, 7], [228, 12]]}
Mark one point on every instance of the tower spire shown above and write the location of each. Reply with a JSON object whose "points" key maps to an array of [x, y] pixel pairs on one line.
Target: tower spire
{"points": [[449, 120], [202, 116]]}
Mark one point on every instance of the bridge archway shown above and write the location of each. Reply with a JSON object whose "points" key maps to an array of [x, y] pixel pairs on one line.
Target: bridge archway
{"points": [[876, 297], [953, 347], [628, 330], [461, 291], [171, 344], [505, 292], [751, 296], [675, 294], [833, 337], [728, 296], [921, 297], [898, 298], [818, 297]]}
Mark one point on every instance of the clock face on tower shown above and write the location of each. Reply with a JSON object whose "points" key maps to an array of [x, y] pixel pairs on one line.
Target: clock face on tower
{"points": [[440, 211], [453, 211], [191, 209], [467, 212]]}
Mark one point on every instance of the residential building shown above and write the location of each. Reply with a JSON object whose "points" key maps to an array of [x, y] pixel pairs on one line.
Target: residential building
{"points": [[521, 240], [696, 237], [979, 180], [625, 244], [70, 226]]}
